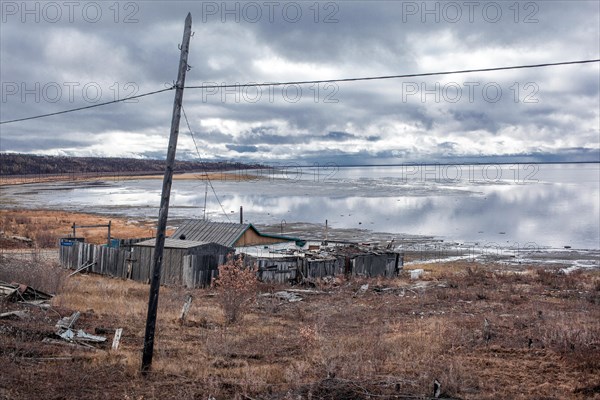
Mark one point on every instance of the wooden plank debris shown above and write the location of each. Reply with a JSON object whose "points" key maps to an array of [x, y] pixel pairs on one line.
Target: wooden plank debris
{"points": [[66, 331], [22, 293], [66, 343], [117, 339], [307, 291], [7, 290], [88, 337], [68, 322], [284, 295], [18, 314], [85, 266], [20, 238]]}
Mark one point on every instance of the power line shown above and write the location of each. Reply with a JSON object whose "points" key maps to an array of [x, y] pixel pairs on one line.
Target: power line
{"points": [[370, 78], [87, 107], [373, 78], [205, 171]]}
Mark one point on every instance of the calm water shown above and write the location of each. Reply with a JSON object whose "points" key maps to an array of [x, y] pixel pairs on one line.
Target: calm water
{"points": [[552, 205]]}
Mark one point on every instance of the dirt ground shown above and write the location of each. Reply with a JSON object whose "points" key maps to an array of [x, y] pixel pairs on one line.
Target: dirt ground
{"points": [[481, 332]]}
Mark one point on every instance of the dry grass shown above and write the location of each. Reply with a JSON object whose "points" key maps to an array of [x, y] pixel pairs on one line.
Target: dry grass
{"points": [[45, 227], [541, 340], [45, 276], [242, 175]]}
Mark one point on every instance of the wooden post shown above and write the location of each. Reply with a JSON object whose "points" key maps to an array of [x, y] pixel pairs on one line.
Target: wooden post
{"points": [[185, 309], [74, 227], [108, 238], [205, 195], [164, 201]]}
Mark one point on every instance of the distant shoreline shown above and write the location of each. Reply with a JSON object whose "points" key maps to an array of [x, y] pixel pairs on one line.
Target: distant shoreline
{"points": [[7, 180], [415, 164]]}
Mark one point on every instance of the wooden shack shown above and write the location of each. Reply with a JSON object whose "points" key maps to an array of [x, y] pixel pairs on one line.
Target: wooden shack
{"points": [[349, 261], [185, 262]]}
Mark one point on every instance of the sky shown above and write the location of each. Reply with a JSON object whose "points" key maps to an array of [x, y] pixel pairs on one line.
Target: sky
{"points": [[61, 55]]}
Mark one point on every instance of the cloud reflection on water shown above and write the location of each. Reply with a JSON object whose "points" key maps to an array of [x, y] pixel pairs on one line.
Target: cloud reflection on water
{"points": [[560, 209]]}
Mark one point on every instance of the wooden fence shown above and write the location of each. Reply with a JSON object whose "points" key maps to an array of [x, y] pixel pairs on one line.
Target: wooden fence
{"points": [[193, 270], [99, 259]]}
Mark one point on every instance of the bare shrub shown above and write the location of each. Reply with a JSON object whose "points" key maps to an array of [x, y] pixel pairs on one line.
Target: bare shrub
{"points": [[577, 339], [237, 286], [475, 275], [45, 239], [22, 220], [45, 276]]}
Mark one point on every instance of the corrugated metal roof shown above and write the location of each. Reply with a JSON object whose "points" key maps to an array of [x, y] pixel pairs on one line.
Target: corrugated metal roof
{"points": [[224, 233], [173, 243]]}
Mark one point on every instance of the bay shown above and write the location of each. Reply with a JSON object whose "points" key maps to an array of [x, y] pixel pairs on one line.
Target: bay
{"points": [[524, 205]]}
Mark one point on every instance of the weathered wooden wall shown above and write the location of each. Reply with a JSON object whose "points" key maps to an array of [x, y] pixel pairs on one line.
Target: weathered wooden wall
{"points": [[323, 267], [198, 270], [189, 267], [381, 265], [281, 270], [286, 269], [104, 260], [143, 263], [197, 267]]}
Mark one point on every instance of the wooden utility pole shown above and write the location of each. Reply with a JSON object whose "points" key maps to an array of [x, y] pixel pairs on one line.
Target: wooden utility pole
{"points": [[164, 201]]}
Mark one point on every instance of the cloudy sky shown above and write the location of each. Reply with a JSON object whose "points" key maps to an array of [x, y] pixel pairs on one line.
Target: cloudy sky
{"points": [[61, 55]]}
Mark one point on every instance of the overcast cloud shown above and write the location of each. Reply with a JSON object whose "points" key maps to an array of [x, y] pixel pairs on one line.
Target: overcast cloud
{"points": [[61, 55]]}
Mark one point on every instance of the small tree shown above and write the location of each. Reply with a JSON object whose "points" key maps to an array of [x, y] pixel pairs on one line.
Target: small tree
{"points": [[237, 286]]}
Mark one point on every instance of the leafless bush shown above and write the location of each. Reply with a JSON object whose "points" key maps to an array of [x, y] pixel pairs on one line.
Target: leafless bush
{"points": [[475, 275], [45, 276], [576, 339], [22, 220], [237, 286], [557, 280], [45, 239]]}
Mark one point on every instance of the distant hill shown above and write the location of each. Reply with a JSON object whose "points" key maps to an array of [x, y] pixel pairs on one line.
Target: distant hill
{"points": [[26, 164]]}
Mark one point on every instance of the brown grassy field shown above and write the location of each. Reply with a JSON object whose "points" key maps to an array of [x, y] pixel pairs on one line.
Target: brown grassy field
{"points": [[44, 227], [242, 175], [482, 332]]}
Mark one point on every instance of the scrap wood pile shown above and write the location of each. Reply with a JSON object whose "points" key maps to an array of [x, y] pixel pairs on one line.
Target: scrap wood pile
{"points": [[66, 332], [17, 292]]}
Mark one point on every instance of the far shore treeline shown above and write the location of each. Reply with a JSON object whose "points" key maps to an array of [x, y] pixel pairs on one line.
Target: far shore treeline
{"points": [[27, 164]]}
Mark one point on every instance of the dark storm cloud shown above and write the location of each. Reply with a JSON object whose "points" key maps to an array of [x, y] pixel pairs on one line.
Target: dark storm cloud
{"points": [[215, 137], [242, 149], [473, 120], [338, 136], [26, 144], [266, 136]]}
